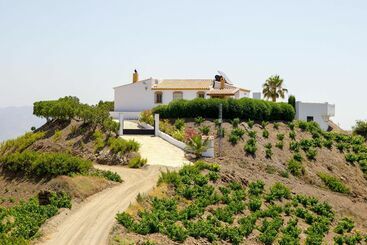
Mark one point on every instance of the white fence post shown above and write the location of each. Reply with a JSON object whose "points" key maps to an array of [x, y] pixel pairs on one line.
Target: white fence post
{"points": [[156, 124], [121, 119]]}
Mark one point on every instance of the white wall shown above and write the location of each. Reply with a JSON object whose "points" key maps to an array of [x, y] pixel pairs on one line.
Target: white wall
{"points": [[134, 97], [321, 112], [187, 95]]}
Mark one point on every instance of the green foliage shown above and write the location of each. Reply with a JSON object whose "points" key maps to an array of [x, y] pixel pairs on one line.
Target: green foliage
{"points": [[57, 135], [22, 222], [264, 124], [147, 117], [280, 137], [256, 188], [291, 126], [360, 128], [298, 157], [137, 162], [294, 146], [255, 204], [199, 120], [276, 125], [270, 230], [265, 133], [244, 108], [107, 174], [344, 225], [235, 122], [45, 164], [311, 154], [69, 107], [179, 124], [122, 146], [333, 183], [21, 143], [197, 145], [252, 134], [250, 123], [205, 130], [268, 150], [250, 147], [292, 101], [238, 132], [292, 135], [278, 192], [99, 140], [290, 233], [280, 145], [233, 139], [295, 168]]}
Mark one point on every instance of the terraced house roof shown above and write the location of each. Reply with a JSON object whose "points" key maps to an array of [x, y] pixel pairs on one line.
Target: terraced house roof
{"points": [[183, 84]]}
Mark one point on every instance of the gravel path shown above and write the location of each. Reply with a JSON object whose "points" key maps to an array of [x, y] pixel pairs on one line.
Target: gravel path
{"points": [[91, 221]]}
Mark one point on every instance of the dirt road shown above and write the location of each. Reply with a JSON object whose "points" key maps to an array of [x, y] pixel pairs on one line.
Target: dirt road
{"points": [[91, 222]]}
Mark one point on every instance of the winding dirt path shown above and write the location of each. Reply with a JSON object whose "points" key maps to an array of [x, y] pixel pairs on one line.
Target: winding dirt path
{"points": [[90, 222]]}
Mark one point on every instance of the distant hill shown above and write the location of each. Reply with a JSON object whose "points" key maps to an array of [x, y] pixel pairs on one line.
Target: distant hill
{"points": [[15, 121]]}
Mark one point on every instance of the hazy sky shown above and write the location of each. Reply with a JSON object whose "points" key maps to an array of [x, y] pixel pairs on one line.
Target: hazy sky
{"points": [[50, 49]]}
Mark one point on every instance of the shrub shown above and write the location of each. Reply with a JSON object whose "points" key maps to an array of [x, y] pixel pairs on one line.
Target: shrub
{"points": [[264, 124], [45, 164], [328, 144], [268, 151], [99, 141], [255, 204], [360, 128], [280, 145], [351, 158], [107, 174], [250, 147], [333, 183], [292, 135], [250, 123], [294, 146], [122, 146], [256, 188], [303, 125], [147, 117], [233, 139], [197, 145], [179, 124], [292, 101], [199, 120], [265, 133], [298, 157], [205, 130], [21, 143], [57, 135], [235, 122], [137, 162], [295, 168], [178, 135], [278, 192], [311, 154], [252, 134], [280, 137], [244, 108], [276, 125], [238, 132], [344, 225]]}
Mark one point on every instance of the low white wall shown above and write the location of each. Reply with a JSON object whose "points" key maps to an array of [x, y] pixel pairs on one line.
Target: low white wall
{"points": [[321, 112], [130, 115]]}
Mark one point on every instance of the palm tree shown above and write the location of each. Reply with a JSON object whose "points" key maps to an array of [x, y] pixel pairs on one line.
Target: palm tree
{"points": [[273, 88]]}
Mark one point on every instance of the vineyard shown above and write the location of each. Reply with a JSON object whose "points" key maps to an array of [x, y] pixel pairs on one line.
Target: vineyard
{"points": [[196, 204]]}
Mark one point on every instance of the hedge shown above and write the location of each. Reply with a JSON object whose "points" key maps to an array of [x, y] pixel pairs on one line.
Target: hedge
{"points": [[244, 108], [33, 163]]}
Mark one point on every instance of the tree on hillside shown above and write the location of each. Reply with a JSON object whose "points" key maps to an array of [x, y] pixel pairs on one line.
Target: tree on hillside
{"points": [[273, 88], [360, 128]]}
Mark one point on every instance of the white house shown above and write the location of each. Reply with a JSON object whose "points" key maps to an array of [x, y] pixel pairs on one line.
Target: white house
{"points": [[318, 112], [141, 95]]}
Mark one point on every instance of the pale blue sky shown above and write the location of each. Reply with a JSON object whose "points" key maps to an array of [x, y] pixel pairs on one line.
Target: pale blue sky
{"points": [[49, 49]]}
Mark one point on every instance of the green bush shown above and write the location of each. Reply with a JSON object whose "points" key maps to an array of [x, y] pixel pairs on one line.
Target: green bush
{"points": [[292, 135], [238, 132], [252, 134], [256, 188], [311, 154], [276, 125], [250, 123], [107, 174], [147, 117], [205, 130], [235, 122], [280, 137], [265, 133], [199, 120], [268, 150], [179, 124], [278, 192], [250, 147], [122, 146], [333, 183], [233, 138], [295, 168], [280, 145], [360, 128], [244, 108], [298, 157], [292, 101], [45, 164], [22, 222], [255, 204], [137, 162], [294, 146], [344, 225], [21, 143]]}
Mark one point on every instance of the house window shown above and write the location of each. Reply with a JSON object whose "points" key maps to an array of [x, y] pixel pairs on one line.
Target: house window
{"points": [[309, 119], [158, 98], [177, 95], [201, 94]]}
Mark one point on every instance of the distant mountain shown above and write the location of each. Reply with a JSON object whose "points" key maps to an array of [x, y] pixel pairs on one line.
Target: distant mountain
{"points": [[15, 121]]}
